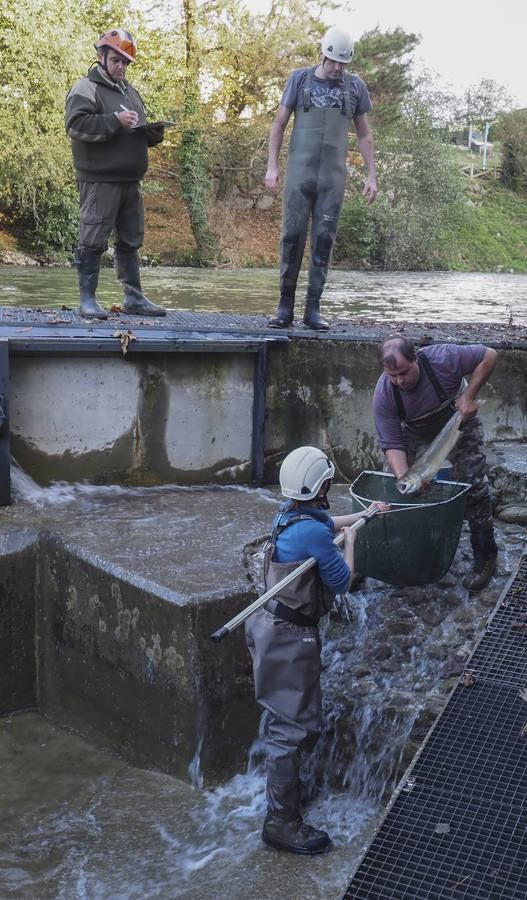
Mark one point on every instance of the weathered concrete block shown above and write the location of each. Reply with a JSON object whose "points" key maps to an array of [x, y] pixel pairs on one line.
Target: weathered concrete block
{"points": [[131, 668], [18, 579]]}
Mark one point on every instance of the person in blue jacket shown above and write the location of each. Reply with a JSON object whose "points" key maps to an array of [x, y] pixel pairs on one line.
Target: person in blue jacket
{"points": [[284, 640]]}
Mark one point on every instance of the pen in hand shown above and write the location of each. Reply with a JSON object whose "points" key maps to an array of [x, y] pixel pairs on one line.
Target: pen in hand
{"points": [[129, 118]]}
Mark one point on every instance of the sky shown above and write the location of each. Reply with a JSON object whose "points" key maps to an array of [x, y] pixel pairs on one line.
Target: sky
{"points": [[463, 41]]}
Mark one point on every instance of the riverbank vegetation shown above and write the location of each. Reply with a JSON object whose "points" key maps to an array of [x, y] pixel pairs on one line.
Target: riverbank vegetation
{"points": [[219, 70]]}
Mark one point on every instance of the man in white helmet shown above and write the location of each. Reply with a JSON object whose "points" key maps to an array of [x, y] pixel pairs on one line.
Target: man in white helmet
{"points": [[284, 640], [326, 101]]}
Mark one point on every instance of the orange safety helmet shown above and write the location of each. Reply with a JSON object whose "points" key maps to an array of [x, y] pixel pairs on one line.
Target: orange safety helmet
{"points": [[119, 40]]}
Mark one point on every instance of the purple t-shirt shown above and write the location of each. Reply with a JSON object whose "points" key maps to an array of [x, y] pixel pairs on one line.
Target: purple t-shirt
{"points": [[450, 363], [326, 92]]}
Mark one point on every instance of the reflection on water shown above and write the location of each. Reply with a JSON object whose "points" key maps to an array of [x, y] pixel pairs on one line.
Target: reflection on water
{"points": [[387, 296]]}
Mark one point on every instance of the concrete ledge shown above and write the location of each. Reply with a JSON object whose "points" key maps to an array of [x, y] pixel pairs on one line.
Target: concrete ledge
{"points": [[125, 662]]}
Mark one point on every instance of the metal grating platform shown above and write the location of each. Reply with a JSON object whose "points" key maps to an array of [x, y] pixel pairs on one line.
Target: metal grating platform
{"points": [[458, 825]]}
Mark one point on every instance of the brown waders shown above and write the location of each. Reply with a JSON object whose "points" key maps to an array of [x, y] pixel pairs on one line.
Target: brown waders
{"points": [[314, 184]]}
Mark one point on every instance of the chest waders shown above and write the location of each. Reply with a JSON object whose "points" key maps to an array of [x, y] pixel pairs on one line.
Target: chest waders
{"points": [[314, 184], [469, 465], [284, 644]]}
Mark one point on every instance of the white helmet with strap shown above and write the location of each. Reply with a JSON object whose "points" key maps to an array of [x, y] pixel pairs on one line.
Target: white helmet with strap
{"points": [[337, 45], [303, 472]]}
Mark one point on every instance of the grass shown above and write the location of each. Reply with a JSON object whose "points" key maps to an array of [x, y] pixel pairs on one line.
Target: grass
{"points": [[493, 236]]}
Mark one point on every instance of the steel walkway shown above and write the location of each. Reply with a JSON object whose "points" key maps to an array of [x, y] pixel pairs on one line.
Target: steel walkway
{"points": [[457, 825]]}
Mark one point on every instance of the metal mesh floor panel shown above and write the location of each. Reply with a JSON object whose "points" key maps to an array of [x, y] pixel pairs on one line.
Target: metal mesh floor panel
{"points": [[477, 748], [433, 847], [458, 827], [187, 321]]}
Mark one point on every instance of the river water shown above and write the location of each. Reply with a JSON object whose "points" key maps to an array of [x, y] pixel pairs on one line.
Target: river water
{"points": [[79, 823], [388, 296]]}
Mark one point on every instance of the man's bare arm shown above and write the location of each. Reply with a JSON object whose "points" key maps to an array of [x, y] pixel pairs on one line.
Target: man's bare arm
{"points": [[397, 461], [367, 150], [276, 136], [467, 402]]}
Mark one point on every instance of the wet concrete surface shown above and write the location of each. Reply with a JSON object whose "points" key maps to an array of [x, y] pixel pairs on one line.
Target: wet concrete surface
{"points": [[79, 823], [189, 541]]}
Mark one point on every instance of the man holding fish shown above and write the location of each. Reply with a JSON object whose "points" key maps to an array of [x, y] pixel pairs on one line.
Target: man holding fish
{"points": [[422, 394]]}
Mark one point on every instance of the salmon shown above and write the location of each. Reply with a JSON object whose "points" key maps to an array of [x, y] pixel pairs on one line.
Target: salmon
{"points": [[428, 464]]}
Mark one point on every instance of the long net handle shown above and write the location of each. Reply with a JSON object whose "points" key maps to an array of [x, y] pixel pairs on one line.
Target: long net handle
{"points": [[303, 567]]}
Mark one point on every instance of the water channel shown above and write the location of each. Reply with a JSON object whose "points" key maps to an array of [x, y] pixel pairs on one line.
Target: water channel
{"points": [[386, 296], [81, 823], [77, 822]]}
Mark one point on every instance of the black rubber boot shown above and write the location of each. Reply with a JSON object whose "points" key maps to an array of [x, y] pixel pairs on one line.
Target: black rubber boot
{"points": [[294, 835], [283, 316], [88, 264], [135, 302], [485, 557], [312, 317]]}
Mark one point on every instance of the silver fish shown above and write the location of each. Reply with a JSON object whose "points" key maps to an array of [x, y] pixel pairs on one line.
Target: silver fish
{"points": [[428, 464]]}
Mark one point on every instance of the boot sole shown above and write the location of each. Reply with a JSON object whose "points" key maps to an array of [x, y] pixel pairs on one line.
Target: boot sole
{"points": [[291, 848]]}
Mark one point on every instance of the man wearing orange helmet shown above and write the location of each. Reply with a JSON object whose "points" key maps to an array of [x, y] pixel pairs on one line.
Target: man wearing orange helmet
{"points": [[110, 154]]}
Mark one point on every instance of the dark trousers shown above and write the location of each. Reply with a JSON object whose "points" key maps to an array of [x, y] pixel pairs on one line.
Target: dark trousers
{"points": [[107, 207]]}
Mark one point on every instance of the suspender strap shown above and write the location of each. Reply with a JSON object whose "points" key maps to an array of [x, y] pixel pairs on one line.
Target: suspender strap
{"points": [[307, 89], [346, 106], [401, 412], [433, 377]]}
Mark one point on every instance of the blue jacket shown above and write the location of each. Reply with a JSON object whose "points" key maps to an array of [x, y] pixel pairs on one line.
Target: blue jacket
{"points": [[312, 537]]}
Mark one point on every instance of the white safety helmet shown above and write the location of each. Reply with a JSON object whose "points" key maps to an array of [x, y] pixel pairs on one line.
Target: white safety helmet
{"points": [[337, 44], [303, 472]]}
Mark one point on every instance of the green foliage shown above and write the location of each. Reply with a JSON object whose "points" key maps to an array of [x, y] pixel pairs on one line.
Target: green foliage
{"points": [[53, 227], [356, 235], [419, 201], [383, 59], [512, 130]]}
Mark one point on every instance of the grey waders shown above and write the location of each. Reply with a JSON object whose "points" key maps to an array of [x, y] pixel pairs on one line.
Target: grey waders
{"points": [[135, 302], [88, 264], [314, 185]]}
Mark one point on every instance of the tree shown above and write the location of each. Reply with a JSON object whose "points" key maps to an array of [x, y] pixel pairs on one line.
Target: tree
{"points": [[419, 203], [484, 101], [383, 60], [193, 153], [512, 130]]}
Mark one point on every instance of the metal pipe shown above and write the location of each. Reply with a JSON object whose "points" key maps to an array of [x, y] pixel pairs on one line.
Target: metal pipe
{"points": [[303, 567]]}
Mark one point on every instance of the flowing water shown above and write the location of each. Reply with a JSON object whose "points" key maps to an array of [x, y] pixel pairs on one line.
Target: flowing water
{"points": [[388, 296], [78, 823]]}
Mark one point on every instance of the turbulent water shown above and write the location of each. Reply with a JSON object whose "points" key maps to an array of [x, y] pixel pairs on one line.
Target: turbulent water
{"points": [[77, 823], [390, 296]]}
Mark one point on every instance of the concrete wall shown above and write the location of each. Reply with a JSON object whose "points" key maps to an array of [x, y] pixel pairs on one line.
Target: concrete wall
{"points": [[187, 418], [18, 588], [133, 670], [177, 418]]}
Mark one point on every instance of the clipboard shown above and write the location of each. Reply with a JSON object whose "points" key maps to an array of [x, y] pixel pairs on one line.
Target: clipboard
{"points": [[162, 123]]}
